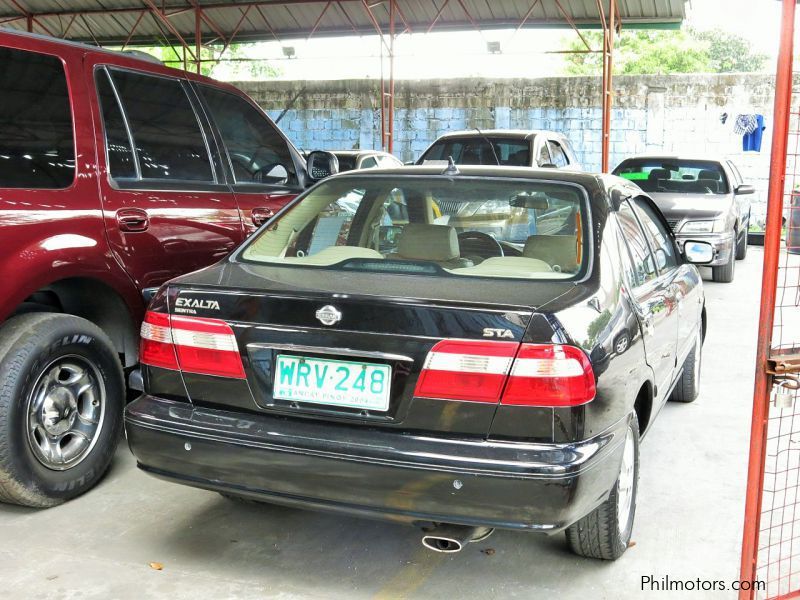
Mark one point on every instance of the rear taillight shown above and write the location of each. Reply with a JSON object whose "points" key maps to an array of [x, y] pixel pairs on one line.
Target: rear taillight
{"points": [[550, 375], [466, 370], [155, 346], [191, 344], [507, 372]]}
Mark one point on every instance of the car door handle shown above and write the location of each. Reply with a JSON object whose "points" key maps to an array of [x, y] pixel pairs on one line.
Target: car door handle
{"points": [[261, 215], [132, 220]]}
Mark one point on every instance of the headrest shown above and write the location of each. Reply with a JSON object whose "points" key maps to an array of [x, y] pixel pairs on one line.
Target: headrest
{"points": [[559, 250], [709, 174], [419, 241], [658, 174]]}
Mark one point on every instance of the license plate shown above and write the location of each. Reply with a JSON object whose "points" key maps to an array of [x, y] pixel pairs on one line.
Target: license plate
{"points": [[332, 382]]}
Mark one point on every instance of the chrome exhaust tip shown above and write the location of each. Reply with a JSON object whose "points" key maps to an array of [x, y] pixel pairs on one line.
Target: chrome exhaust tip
{"points": [[452, 538]]}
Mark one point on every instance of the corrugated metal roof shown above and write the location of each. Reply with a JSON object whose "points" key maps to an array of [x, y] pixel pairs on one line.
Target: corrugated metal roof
{"points": [[111, 21]]}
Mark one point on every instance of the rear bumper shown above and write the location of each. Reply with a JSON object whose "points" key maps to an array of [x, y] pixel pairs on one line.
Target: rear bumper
{"points": [[366, 472], [721, 242]]}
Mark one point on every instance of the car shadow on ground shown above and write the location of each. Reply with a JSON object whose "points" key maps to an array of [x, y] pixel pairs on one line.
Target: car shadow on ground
{"points": [[283, 545]]}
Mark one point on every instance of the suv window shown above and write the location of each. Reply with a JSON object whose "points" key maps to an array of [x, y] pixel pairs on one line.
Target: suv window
{"points": [[166, 133], [37, 146], [658, 237], [121, 163], [557, 154], [254, 146], [642, 261]]}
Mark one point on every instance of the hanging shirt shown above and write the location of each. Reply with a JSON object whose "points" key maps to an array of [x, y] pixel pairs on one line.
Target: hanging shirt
{"points": [[751, 141], [745, 124]]}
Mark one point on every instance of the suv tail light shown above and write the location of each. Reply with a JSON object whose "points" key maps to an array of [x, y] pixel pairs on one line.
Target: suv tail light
{"points": [[507, 372], [190, 344]]}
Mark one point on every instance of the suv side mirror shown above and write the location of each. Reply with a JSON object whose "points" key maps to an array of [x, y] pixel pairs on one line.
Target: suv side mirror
{"points": [[698, 253], [745, 188], [321, 164]]}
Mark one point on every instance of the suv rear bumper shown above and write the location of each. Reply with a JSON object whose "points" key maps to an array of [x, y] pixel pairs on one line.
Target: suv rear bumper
{"points": [[366, 472]]}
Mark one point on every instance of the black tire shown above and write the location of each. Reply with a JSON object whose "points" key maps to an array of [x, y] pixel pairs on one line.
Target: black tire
{"points": [[34, 348], [688, 387], [602, 534], [741, 247], [724, 273]]}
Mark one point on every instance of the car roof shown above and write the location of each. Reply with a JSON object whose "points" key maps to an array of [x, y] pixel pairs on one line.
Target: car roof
{"points": [[136, 58], [678, 157], [356, 152], [488, 171], [508, 133]]}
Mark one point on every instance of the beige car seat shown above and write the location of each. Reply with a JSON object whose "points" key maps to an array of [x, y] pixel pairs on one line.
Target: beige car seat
{"points": [[436, 243], [558, 251]]}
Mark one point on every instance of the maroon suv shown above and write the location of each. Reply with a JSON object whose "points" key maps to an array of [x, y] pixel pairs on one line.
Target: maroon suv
{"points": [[116, 174]]}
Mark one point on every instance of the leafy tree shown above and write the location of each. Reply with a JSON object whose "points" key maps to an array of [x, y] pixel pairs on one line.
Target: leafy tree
{"points": [[729, 52], [642, 51]]}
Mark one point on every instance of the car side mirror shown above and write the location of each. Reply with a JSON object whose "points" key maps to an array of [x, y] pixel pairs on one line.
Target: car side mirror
{"points": [[745, 188], [698, 253], [321, 164]]}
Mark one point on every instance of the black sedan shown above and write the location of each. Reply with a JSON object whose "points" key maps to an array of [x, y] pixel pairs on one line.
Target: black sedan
{"points": [[460, 350]]}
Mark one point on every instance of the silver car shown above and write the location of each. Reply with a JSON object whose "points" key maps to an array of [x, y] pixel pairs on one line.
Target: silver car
{"points": [[702, 199], [504, 147]]}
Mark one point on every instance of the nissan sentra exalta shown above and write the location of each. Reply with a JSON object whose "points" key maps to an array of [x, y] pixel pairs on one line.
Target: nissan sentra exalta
{"points": [[459, 348]]}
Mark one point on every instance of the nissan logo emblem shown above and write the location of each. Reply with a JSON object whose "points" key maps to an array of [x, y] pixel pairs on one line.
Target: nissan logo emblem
{"points": [[329, 315]]}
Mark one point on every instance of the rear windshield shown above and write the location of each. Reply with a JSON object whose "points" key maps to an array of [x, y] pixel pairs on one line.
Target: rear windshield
{"points": [[675, 176], [438, 226], [478, 151]]}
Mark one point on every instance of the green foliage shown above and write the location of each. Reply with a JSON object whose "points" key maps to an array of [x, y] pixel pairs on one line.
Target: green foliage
{"points": [[639, 52], [232, 65], [730, 53]]}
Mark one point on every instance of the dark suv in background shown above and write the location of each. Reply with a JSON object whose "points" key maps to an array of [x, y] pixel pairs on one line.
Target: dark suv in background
{"points": [[116, 174]]}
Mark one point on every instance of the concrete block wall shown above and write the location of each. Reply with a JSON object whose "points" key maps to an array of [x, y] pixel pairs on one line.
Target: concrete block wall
{"points": [[675, 114]]}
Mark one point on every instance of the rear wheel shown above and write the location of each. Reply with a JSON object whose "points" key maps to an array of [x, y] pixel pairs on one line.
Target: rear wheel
{"points": [[741, 247], [61, 402], [724, 273], [688, 387], [606, 532]]}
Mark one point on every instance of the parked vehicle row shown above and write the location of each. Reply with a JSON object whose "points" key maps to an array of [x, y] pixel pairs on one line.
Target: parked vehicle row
{"points": [[494, 329]]}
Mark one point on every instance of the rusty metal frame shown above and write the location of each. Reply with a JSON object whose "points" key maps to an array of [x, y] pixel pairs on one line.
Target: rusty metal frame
{"points": [[769, 281]]}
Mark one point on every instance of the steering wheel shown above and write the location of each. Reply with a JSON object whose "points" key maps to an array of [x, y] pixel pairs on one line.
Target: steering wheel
{"points": [[479, 241]]}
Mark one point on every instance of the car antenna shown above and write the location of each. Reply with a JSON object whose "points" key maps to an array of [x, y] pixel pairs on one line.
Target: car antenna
{"points": [[491, 146], [451, 168]]}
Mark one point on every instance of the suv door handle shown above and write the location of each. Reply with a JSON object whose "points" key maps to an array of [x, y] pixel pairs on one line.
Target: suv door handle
{"points": [[132, 220], [261, 215]]}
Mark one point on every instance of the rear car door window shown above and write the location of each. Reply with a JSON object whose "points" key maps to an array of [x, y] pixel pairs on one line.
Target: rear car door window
{"points": [[660, 242], [544, 156], [644, 269], [255, 148], [369, 162], [557, 154], [121, 161], [169, 142], [37, 146]]}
